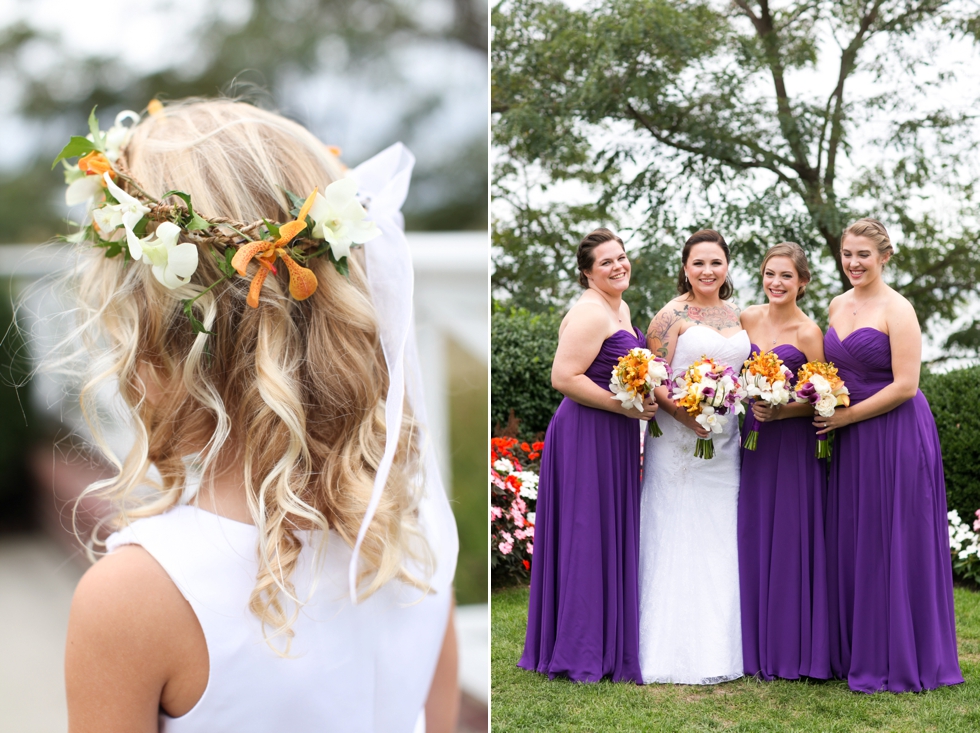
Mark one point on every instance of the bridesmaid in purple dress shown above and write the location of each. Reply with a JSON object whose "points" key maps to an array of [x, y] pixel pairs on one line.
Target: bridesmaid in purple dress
{"points": [[781, 555], [889, 575], [583, 616]]}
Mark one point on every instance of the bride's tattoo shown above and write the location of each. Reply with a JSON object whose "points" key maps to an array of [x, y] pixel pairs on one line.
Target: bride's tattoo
{"points": [[657, 338], [718, 317]]}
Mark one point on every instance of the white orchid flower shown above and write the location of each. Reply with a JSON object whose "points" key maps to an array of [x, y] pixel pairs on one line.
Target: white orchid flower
{"points": [[118, 135], [339, 218], [126, 213], [83, 190], [711, 421], [173, 264]]}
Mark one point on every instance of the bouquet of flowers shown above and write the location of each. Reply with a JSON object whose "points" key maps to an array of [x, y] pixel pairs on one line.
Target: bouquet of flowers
{"points": [[514, 470], [710, 391], [817, 383], [766, 379], [636, 375]]}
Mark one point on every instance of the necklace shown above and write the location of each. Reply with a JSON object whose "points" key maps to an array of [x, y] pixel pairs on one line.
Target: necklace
{"points": [[773, 327], [855, 311]]}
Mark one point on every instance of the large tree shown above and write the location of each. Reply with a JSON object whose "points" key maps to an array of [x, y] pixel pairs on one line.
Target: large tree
{"points": [[767, 120]]}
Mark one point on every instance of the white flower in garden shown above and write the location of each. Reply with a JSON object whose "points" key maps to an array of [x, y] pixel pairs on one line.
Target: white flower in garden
{"points": [[530, 517], [529, 484], [502, 465], [339, 218], [126, 213], [173, 264]]}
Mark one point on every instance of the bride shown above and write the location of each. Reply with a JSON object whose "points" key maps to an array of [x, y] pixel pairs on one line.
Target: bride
{"points": [[690, 627]]}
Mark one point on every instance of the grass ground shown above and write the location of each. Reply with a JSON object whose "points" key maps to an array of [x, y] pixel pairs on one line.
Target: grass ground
{"points": [[525, 701]]}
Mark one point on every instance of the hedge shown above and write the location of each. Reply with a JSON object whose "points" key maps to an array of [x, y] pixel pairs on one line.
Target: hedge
{"points": [[523, 347], [522, 350], [954, 398]]}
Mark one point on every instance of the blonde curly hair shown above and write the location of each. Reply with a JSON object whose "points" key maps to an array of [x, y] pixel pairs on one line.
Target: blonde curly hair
{"points": [[293, 391]]}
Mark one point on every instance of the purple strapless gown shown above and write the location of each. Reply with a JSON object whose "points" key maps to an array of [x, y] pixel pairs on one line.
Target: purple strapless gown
{"points": [[888, 563], [583, 616], [781, 555]]}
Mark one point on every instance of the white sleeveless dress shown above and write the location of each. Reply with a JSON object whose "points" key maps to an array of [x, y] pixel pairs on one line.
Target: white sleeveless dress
{"points": [[690, 620], [351, 668]]}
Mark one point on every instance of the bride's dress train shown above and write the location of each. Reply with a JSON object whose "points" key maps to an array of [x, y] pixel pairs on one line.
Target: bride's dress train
{"points": [[690, 622]]}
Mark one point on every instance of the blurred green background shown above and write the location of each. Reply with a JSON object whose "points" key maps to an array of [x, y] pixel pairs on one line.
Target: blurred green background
{"points": [[360, 75]]}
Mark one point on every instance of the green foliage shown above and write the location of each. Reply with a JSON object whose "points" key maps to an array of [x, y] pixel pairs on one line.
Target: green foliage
{"points": [[20, 423], [527, 701], [954, 397], [667, 116], [522, 350], [76, 146], [467, 421]]}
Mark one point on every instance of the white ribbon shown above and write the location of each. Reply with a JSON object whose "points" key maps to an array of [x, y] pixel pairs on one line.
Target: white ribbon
{"points": [[384, 181]]}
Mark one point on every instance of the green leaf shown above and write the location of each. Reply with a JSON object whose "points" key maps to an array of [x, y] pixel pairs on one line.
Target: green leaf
{"points": [[224, 262], [112, 249], [93, 126], [342, 266], [195, 324], [76, 146], [194, 222], [140, 229], [296, 201], [273, 229]]}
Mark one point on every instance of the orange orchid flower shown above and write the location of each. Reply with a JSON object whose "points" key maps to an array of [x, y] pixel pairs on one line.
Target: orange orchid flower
{"points": [[95, 164], [302, 281]]}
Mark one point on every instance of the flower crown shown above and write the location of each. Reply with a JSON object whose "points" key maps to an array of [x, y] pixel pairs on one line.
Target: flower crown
{"points": [[126, 220]]}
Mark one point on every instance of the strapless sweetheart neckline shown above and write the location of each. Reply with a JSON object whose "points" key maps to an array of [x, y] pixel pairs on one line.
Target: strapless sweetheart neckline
{"points": [[862, 328], [709, 328]]}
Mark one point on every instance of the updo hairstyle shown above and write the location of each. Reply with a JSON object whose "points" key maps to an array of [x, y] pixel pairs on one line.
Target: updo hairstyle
{"points": [[586, 251], [873, 230], [795, 253], [705, 235]]}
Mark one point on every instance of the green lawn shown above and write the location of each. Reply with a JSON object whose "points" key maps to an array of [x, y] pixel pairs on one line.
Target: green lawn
{"points": [[526, 701]]}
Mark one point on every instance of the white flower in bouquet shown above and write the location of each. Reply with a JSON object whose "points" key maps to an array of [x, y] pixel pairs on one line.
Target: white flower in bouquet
{"points": [[826, 404], [710, 420], [821, 384]]}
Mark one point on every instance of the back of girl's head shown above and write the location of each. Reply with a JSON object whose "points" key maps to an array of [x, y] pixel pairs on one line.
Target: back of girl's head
{"points": [[585, 256], [796, 254], [699, 237], [293, 391]]}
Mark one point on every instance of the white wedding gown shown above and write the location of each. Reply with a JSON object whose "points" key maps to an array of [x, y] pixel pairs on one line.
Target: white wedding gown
{"points": [[690, 622]]}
